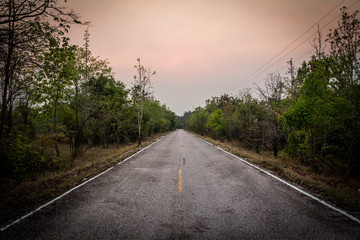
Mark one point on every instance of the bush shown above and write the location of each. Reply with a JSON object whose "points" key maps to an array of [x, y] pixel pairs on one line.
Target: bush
{"points": [[19, 157]]}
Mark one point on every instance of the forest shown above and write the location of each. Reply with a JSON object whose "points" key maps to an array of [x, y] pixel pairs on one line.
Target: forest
{"points": [[311, 114], [57, 97]]}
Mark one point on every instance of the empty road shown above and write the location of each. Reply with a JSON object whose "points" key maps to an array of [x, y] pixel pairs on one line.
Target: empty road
{"points": [[183, 188]]}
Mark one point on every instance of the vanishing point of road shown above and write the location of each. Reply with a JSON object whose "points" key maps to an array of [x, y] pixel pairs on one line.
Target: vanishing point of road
{"points": [[184, 188]]}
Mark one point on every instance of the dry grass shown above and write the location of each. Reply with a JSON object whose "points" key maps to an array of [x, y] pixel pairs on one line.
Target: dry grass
{"points": [[329, 186], [19, 198]]}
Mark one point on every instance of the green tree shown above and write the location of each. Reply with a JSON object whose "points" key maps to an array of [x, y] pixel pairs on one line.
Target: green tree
{"points": [[312, 114], [24, 32], [198, 121], [250, 121], [216, 123], [57, 75], [345, 66]]}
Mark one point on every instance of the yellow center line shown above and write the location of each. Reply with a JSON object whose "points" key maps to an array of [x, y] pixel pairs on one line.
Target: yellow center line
{"points": [[180, 181]]}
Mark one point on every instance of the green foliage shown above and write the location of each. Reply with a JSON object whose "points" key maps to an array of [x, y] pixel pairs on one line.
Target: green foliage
{"points": [[216, 123], [198, 121], [19, 157], [323, 121], [314, 115], [56, 94], [157, 118], [71, 97]]}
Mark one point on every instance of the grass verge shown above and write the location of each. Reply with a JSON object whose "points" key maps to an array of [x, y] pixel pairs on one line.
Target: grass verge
{"points": [[19, 198], [335, 189]]}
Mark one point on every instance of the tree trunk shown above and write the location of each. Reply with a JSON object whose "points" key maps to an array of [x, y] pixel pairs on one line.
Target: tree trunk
{"points": [[312, 153], [55, 129], [7, 72], [9, 113], [140, 114], [77, 124], [349, 159], [275, 147], [139, 137], [275, 141]]}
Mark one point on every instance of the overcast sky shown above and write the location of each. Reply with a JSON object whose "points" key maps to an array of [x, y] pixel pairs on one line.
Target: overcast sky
{"points": [[200, 48]]}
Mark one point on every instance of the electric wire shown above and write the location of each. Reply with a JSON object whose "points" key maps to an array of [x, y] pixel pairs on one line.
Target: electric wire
{"points": [[295, 60], [291, 43], [260, 71], [299, 44]]}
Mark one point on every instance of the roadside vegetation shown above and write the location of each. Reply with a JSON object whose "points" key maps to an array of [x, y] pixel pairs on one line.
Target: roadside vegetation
{"points": [[306, 125], [64, 117], [55, 94]]}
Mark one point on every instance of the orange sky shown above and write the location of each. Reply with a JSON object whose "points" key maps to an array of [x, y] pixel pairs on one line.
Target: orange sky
{"points": [[199, 48]]}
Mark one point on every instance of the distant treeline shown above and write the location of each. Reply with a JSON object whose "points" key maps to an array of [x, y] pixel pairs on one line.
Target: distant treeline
{"points": [[313, 114], [55, 94]]}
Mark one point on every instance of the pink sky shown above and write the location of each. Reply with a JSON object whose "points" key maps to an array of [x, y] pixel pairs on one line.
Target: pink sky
{"points": [[199, 48]]}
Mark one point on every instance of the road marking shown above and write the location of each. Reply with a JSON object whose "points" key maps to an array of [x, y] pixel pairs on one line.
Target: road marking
{"points": [[285, 182], [140, 150], [55, 199], [69, 191], [180, 182]]}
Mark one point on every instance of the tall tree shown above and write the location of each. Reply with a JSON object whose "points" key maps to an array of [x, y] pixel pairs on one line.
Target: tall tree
{"points": [[318, 45], [24, 31], [345, 45], [311, 114], [141, 91], [345, 66], [273, 94], [57, 75]]}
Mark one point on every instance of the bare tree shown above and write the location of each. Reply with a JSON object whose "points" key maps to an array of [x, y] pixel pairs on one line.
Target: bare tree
{"points": [[317, 44], [273, 95], [141, 91]]}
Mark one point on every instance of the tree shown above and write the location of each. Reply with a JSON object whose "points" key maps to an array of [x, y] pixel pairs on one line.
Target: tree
{"points": [[318, 46], [345, 66], [141, 92], [198, 121], [250, 121], [273, 94], [57, 75], [345, 46], [320, 119], [216, 122], [80, 104], [24, 31], [82, 101]]}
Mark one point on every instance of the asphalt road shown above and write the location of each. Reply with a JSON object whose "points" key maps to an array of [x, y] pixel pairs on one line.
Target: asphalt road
{"points": [[184, 188]]}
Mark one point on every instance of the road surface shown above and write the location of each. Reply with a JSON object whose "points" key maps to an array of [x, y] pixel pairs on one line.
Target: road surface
{"points": [[183, 188]]}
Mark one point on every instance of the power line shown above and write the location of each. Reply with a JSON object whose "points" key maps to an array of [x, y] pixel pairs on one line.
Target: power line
{"points": [[300, 44], [296, 59], [251, 76]]}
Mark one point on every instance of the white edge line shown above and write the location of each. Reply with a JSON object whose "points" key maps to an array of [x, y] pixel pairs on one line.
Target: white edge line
{"points": [[76, 187], [128, 158], [288, 184]]}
